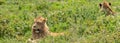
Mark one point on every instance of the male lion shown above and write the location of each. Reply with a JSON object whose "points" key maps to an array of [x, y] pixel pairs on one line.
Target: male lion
{"points": [[40, 30]]}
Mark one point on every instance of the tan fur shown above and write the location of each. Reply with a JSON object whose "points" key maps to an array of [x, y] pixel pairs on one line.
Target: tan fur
{"points": [[56, 34], [105, 6], [40, 30]]}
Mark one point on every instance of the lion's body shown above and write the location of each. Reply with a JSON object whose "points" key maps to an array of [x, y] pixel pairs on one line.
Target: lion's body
{"points": [[40, 30]]}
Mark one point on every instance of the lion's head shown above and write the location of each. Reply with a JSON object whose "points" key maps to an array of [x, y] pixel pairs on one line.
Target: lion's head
{"points": [[39, 24], [39, 28]]}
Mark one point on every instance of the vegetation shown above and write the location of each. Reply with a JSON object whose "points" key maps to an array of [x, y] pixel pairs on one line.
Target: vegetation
{"points": [[79, 19]]}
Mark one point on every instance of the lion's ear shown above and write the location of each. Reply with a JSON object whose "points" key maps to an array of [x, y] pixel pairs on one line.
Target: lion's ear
{"points": [[110, 4], [45, 20], [100, 5]]}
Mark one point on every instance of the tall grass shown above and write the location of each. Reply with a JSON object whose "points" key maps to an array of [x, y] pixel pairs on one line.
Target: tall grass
{"points": [[79, 19]]}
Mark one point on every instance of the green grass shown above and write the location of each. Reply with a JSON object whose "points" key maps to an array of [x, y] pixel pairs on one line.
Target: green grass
{"points": [[79, 19]]}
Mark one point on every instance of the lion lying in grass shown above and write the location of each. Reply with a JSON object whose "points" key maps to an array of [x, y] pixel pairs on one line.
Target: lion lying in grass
{"points": [[40, 30]]}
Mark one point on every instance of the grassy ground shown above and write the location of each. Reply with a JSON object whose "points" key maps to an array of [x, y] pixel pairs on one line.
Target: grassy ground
{"points": [[79, 19]]}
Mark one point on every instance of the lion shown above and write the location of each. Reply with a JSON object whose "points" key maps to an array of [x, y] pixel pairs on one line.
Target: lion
{"points": [[105, 6], [40, 30]]}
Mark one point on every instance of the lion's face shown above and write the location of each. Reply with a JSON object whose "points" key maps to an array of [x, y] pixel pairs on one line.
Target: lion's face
{"points": [[39, 24], [106, 7]]}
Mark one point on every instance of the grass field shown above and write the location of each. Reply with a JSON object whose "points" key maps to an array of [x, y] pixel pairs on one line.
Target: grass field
{"points": [[79, 19]]}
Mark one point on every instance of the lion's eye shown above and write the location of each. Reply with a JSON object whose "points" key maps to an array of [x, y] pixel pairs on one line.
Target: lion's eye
{"points": [[100, 5]]}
